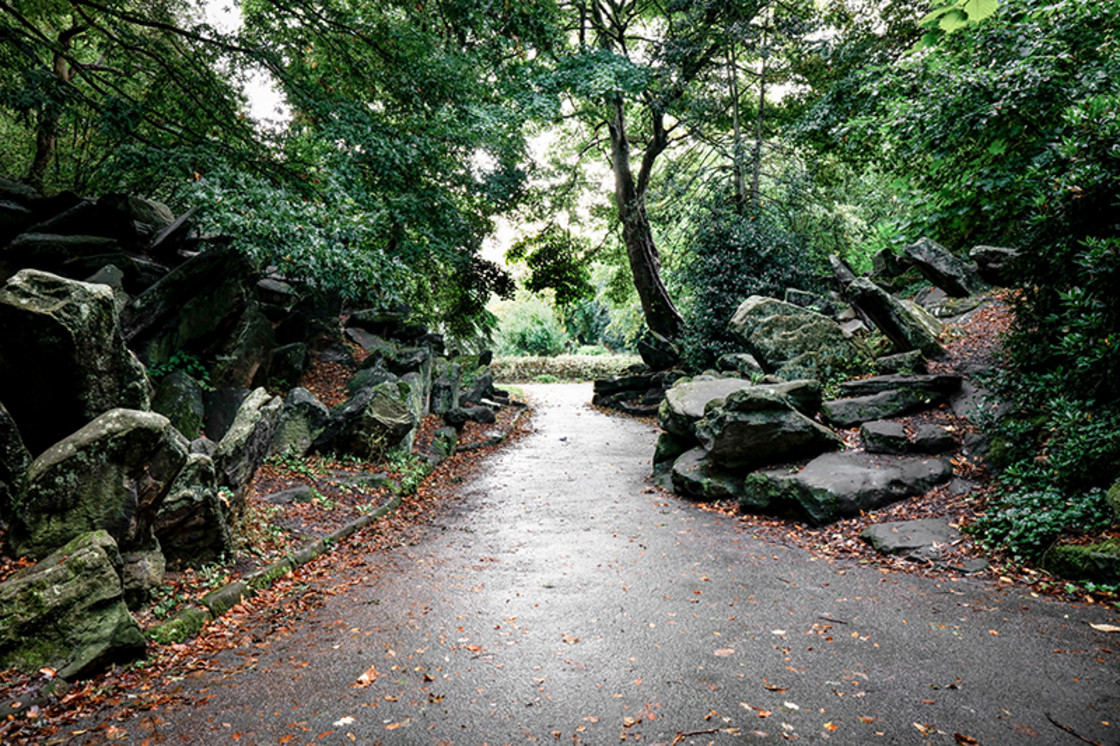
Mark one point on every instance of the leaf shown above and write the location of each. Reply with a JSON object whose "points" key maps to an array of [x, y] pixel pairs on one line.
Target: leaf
{"points": [[953, 20], [964, 740], [570, 639], [367, 678], [978, 10], [831, 726], [1105, 627], [724, 652]]}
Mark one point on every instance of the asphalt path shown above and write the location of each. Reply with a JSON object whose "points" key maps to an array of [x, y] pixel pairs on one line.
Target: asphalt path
{"points": [[564, 600]]}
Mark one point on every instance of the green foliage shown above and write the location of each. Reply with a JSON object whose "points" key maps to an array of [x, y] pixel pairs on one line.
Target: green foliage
{"points": [[946, 19], [530, 326], [574, 368], [1060, 463], [733, 255], [556, 261], [185, 362]]}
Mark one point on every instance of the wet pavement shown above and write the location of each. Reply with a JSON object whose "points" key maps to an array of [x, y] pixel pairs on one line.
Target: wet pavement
{"points": [[564, 600]]}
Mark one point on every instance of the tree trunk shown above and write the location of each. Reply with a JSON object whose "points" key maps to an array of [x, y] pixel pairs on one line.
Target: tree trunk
{"points": [[661, 314], [46, 135]]}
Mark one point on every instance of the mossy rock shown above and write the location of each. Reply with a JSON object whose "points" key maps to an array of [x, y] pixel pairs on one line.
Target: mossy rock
{"points": [[1096, 563]]}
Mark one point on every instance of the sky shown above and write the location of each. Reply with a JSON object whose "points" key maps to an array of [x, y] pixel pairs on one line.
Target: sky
{"points": [[266, 104]]}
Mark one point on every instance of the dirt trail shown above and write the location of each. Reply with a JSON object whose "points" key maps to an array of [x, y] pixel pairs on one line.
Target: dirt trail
{"points": [[563, 600]]}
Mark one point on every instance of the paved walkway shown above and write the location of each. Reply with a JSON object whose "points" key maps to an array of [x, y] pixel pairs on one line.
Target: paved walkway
{"points": [[565, 601]]}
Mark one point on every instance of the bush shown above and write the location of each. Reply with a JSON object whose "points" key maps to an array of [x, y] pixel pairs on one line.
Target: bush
{"points": [[529, 326], [571, 368]]}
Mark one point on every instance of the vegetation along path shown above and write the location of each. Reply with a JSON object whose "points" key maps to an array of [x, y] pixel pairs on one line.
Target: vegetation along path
{"points": [[566, 600]]}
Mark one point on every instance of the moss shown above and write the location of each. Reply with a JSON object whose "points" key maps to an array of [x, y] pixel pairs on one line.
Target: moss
{"points": [[182, 627], [1097, 563]]}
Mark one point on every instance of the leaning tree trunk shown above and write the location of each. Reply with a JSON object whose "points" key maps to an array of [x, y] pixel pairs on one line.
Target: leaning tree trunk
{"points": [[46, 135], [662, 316]]}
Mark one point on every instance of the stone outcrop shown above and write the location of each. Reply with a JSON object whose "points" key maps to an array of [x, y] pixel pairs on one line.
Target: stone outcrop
{"points": [[178, 397], [191, 524], [686, 402], [792, 342], [882, 397], [994, 263], [80, 367], [938, 265], [759, 426], [67, 612], [112, 474], [375, 419], [14, 462], [302, 420], [907, 328], [837, 485], [246, 444]]}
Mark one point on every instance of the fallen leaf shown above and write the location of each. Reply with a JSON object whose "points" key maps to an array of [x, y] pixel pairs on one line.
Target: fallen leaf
{"points": [[367, 678], [570, 639], [831, 726], [1105, 627], [773, 688], [964, 740], [724, 652]]}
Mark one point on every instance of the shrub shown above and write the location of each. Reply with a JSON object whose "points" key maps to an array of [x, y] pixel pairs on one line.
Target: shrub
{"points": [[529, 326]]}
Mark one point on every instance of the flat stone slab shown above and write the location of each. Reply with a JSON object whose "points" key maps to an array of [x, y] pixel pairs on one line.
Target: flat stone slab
{"points": [[836, 485], [905, 537]]}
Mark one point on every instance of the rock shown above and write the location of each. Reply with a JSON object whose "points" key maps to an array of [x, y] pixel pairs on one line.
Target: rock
{"points": [[149, 212], [298, 494], [445, 387], [408, 360], [1097, 563], [80, 366], [885, 264], [933, 385], [902, 326], [191, 524], [14, 219], [695, 475], [368, 378], [854, 410], [938, 265], [198, 302], [953, 308], [142, 573], [809, 300], [687, 400], [910, 537], [377, 320], [884, 437], [741, 363], [112, 276], [994, 263], [460, 416], [907, 363], [933, 439], [15, 460], [86, 218], [244, 447], [221, 410], [792, 342], [18, 192], [285, 371], [836, 485], [444, 442], [179, 399], [337, 353], [112, 474], [244, 358], [48, 252], [276, 293], [204, 446], [668, 449], [313, 321], [68, 613], [759, 426], [303, 419], [842, 272], [479, 388], [1113, 499], [372, 421], [658, 352]]}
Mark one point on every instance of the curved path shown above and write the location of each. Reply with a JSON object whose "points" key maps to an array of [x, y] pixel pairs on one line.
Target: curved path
{"points": [[565, 601]]}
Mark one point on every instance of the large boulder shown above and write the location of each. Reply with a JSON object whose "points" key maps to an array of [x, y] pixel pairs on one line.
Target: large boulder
{"points": [[67, 612], [302, 420], [192, 308], [882, 397], [994, 263], [246, 444], [191, 525], [373, 420], [902, 326], [685, 403], [112, 474], [938, 265], [793, 342], [244, 357], [15, 460], [837, 485], [759, 426], [179, 398], [62, 359], [49, 252], [695, 475]]}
